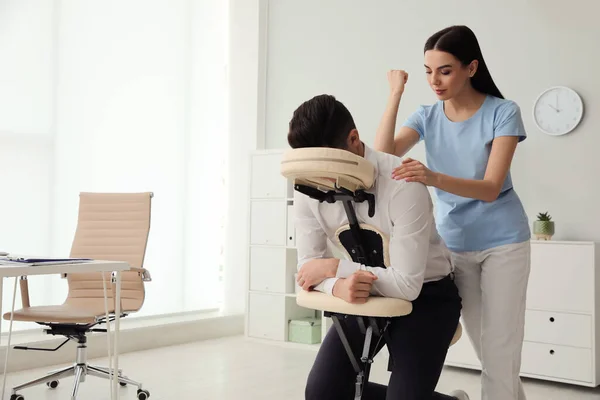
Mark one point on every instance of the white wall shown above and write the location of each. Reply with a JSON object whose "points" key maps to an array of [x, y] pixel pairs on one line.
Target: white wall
{"points": [[345, 47], [117, 96], [26, 73], [243, 119], [26, 131], [121, 117], [141, 107], [207, 150]]}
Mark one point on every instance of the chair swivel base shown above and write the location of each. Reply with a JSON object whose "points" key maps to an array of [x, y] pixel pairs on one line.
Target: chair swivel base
{"points": [[79, 370]]}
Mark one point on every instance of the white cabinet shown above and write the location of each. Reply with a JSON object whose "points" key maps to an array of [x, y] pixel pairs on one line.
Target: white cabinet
{"points": [[556, 327], [554, 362], [562, 322], [267, 312], [272, 269], [272, 257], [268, 222], [562, 277], [266, 180], [291, 231]]}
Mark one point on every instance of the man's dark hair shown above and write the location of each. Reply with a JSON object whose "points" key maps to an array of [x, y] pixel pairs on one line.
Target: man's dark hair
{"points": [[321, 121]]}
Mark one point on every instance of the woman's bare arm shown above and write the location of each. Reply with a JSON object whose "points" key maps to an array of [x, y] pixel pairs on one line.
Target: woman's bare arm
{"points": [[488, 188], [406, 137]]}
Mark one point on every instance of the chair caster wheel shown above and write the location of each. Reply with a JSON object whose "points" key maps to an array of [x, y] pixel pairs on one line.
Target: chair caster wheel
{"points": [[52, 384], [123, 384], [141, 394], [17, 397]]}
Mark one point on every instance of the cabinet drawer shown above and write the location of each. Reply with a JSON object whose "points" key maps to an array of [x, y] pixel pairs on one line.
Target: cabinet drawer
{"points": [[266, 179], [558, 328], [271, 269], [268, 223], [266, 316], [557, 361], [562, 277]]}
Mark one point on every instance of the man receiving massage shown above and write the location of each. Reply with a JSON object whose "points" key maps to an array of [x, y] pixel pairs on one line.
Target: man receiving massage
{"points": [[420, 270]]}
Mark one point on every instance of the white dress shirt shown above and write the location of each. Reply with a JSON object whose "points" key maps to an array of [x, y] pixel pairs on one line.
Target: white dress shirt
{"points": [[403, 212]]}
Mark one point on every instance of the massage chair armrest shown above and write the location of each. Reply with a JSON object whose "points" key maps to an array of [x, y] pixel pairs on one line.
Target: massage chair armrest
{"points": [[373, 307]]}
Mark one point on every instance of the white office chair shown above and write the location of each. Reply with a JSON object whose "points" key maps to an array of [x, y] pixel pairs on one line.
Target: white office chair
{"points": [[331, 175]]}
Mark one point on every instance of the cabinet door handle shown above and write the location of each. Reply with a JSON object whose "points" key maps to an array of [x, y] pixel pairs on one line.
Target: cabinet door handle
{"points": [[551, 352], [551, 319]]}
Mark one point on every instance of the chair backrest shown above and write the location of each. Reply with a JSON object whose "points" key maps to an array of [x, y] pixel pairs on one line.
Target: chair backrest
{"points": [[111, 227]]}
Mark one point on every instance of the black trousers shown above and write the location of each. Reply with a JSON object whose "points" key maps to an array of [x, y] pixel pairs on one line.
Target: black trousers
{"points": [[418, 344]]}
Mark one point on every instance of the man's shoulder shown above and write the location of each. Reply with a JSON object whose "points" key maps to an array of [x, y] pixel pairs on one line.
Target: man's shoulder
{"points": [[392, 189], [386, 163]]}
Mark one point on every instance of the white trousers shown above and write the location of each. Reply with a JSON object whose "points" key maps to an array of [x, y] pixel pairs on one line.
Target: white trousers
{"points": [[493, 284]]}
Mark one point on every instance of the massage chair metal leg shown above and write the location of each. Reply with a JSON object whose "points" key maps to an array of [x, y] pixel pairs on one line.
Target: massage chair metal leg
{"points": [[362, 372]]}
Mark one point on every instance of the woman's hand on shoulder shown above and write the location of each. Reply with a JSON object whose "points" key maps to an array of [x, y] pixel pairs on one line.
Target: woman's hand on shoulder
{"points": [[397, 78], [415, 171]]}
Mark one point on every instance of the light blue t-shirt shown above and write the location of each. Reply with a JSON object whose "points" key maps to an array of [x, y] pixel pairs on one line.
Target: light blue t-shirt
{"points": [[462, 149]]}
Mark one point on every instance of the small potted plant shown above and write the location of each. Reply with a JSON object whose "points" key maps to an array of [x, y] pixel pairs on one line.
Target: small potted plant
{"points": [[543, 228]]}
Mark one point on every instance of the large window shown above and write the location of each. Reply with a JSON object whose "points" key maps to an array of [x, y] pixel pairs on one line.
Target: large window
{"points": [[117, 96]]}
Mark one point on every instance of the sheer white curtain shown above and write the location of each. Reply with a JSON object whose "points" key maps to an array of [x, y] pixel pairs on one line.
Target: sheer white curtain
{"points": [[133, 98]]}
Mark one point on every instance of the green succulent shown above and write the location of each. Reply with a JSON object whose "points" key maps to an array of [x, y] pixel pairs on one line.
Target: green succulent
{"points": [[544, 217]]}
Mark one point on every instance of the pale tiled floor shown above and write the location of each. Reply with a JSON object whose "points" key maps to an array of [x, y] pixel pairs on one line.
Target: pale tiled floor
{"points": [[238, 368]]}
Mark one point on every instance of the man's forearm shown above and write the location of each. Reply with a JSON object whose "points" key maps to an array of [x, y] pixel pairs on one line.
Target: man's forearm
{"points": [[327, 285], [318, 274]]}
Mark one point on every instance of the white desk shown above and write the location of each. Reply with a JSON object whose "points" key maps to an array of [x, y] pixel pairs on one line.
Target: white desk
{"points": [[16, 271]]}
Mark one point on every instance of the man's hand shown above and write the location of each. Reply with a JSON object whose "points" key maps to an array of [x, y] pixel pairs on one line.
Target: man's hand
{"points": [[356, 288], [316, 271]]}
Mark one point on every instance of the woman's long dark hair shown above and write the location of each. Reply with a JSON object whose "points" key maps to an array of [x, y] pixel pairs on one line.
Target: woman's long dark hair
{"points": [[461, 42]]}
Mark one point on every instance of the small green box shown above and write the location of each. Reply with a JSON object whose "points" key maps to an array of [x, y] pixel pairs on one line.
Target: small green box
{"points": [[305, 330]]}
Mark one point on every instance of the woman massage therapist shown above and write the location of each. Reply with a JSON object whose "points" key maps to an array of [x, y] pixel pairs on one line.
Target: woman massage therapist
{"points": [[470, 136]]}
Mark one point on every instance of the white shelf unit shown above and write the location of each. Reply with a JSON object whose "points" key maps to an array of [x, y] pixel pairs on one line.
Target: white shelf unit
{"points": [[562, 324], [272, 256]]}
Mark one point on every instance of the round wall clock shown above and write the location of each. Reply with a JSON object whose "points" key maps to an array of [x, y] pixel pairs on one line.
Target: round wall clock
{"points": [[558, 110]]}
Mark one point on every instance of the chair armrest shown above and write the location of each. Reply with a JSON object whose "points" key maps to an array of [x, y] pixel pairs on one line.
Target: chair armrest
{"points": [[374, 306], [24, 286], [146, 277]]}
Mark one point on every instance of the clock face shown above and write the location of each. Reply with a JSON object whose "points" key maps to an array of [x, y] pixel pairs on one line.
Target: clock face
{"points": [[558, 110]]}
